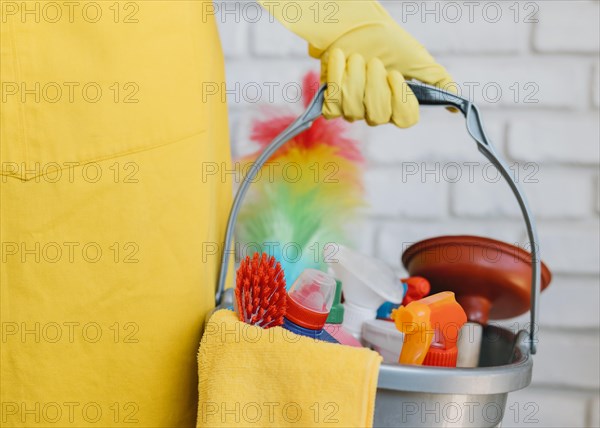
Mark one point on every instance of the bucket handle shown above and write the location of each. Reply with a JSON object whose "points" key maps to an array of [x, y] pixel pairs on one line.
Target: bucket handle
{"points": [[426, 95]]}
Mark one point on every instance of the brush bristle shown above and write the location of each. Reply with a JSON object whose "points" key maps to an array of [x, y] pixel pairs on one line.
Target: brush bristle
{"points": [[260, 291]]}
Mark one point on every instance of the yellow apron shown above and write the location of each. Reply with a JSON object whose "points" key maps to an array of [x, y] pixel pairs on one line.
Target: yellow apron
{"points": [[112, 207]]}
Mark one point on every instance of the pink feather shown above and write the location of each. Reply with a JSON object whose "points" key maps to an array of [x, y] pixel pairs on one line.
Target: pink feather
{"points": [[323, 132]]}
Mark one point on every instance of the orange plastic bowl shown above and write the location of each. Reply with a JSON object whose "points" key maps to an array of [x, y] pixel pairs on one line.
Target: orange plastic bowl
{"points": [[491, 279]]}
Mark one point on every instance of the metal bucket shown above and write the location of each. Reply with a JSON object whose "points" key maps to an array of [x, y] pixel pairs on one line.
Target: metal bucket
{"points": [[418, 396], [453, 397]]}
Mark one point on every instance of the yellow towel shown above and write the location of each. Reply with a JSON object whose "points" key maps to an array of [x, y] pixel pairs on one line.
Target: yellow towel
{"points": [[250, 377]]}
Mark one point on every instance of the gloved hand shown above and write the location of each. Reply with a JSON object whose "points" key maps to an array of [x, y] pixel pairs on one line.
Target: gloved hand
{"points": [[365, 58]]}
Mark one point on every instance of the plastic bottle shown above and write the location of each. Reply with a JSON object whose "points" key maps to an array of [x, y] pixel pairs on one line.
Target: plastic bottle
{"points": [[308, 305], [430, 326], [334, 326], [367, 283]]}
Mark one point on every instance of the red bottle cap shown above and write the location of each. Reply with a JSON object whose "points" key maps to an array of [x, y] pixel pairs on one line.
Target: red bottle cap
{"points": [[441, 357], [417, 288], [304, 317], [310, 299]]}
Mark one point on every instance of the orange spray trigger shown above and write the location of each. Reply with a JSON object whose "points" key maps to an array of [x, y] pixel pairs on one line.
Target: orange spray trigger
{"points": [[447, 318], [438, 318], [414, 321]]}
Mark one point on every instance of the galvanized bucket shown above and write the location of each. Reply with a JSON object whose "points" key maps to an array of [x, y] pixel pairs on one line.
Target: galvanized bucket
{"points": [[416, 396], [454, 397]]}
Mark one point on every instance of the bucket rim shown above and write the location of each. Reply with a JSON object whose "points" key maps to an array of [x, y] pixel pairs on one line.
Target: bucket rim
{"points": [[478, 380]]}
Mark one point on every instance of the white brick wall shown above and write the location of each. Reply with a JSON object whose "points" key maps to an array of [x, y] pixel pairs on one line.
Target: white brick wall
{"points": [[543, 56], [450, 27], [549, 191], [527, 82], [406, 196], [542, 137], [568, 29]]}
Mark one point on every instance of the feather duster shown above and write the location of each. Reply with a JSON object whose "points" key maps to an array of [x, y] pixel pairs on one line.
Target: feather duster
{"points": [[305, 196], [323, 132]]}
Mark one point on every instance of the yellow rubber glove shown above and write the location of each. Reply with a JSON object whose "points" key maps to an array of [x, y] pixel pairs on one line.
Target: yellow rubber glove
{"points": [[365, 58]]}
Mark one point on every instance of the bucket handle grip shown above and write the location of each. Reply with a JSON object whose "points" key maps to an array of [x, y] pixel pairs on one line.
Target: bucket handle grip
{"points": [[426, 95]]}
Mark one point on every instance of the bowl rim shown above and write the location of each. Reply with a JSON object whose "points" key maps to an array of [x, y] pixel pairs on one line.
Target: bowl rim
{"points": [[474, 241]]}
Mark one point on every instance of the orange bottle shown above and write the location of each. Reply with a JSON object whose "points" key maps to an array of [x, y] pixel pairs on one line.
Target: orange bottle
{"points": [[430, 328]]}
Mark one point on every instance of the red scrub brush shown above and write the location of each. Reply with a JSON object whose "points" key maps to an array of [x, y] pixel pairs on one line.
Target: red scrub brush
{"points": [[260, 291]]}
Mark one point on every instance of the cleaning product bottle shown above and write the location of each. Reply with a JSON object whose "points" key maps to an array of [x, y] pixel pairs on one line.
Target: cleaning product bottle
{"points": [[415, 288], [308, 304], [383, 337], [414, 320], [367, 283], [333, 325], [431, 327], [384, 312]]}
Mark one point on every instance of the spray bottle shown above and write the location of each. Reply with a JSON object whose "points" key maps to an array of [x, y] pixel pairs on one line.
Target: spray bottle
{"points": [[367, 283], [430, 328]]}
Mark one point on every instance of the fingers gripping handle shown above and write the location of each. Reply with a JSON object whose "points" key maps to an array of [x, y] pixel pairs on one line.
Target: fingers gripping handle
{"points": [[426, 95]]}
